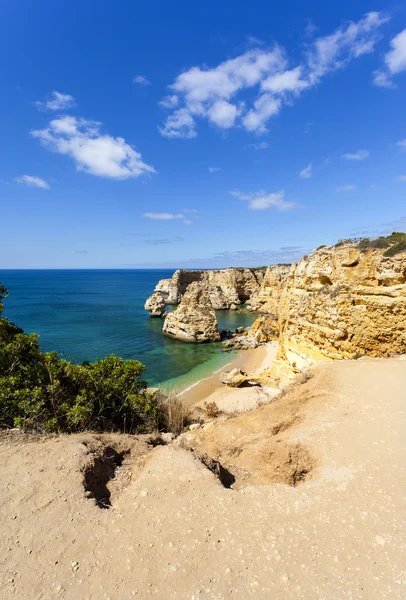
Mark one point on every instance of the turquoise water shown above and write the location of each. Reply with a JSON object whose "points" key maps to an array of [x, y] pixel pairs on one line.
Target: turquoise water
{"points": [[86, 314]]}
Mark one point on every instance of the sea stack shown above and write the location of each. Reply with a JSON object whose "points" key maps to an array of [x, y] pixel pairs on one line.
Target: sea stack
{"points": [[155, 305], [194, 320]]}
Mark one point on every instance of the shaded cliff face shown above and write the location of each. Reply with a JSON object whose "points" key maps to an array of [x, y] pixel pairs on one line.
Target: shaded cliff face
{"points": [[336, 303], [194, 320], [224, 286]]}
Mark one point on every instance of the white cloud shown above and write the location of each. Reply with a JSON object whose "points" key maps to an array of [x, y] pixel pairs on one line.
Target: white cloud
{"points": [[265, 107], [395, 61], [261, 200], [57, 101], [93, 152], [214, 169], [382, 79], [346, 188], [223, 114], [32, 181], [331, 52], [400, 178], [359, 155], [179, 124], [307, 171], [219, 94], [141, 80], [170, 101], [401, 144], [288, 81]]}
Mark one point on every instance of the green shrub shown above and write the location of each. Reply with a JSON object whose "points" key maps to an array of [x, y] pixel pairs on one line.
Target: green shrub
{"points": [[396, 248], [38, 390]]}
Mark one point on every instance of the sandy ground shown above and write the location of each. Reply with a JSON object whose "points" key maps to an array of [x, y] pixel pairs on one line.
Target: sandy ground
{"points": [[173, 531], [231, 400]]}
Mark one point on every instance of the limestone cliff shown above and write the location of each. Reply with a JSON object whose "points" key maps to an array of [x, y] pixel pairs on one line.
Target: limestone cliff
{"points": [[336, 303], [226, 287], [194, 320]]}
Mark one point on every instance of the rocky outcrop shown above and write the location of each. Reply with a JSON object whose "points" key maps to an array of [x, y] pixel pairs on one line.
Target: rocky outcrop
{"points": [[194, 320], [227, 288], [155, 305], [339, 302]]}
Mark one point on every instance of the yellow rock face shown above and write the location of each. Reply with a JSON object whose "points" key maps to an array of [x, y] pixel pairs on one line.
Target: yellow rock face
{"points": [[336, 303]]}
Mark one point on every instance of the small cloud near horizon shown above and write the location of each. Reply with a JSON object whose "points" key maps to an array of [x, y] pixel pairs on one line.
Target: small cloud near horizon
{"points": [[162, 241], [214, 169]]}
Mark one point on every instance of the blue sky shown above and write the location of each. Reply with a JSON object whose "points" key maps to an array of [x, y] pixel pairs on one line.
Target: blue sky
{"points": [[183, 135]]}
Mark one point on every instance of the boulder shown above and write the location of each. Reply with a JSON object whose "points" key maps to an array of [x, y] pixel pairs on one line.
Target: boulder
{"points": [[234, 378], [155, 305], [194, 320]]}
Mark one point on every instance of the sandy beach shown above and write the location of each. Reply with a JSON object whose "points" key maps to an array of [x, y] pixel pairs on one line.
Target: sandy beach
{"points": [[230, 400]]}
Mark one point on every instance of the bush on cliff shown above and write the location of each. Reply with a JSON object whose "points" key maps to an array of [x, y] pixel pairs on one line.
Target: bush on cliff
{"points": [[38, 390], [394, 243]]}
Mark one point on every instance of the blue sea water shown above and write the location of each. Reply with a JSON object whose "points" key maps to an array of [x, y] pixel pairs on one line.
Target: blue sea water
{"points": [[89, 314]]}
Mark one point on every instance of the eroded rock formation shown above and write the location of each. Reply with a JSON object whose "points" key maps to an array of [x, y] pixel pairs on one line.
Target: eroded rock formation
{"points": [[194, 320], [155, 305], [226, 287]]}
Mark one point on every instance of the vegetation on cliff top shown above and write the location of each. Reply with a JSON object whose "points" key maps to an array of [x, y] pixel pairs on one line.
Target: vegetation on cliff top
{"points": [[38, 390], [393, 243]]}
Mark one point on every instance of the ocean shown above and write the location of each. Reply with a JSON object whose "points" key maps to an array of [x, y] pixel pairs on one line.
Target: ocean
{"points": [[89, 314]]}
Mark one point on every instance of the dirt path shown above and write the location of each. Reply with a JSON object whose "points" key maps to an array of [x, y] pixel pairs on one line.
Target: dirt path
{"points": [[175, 532]]}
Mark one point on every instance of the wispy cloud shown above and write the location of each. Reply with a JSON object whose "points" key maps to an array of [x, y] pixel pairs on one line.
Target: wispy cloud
{"points": [[401, 144], [395, 62], [81, 251], [167, 217], [214, 94], [261, 200], [56, 101], [400, 178], [359, 155], [31, 181], [307, 171], [164, 241], [259, 146], [234, 258], [346, 188], [93, 152], [141, 80], [214, 169]]}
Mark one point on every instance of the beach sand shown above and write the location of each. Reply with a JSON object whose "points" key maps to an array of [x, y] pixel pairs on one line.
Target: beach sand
{"points": [[174, 532], [230, 400]]}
